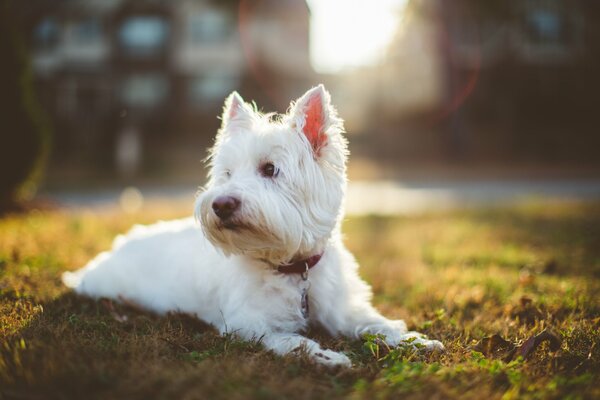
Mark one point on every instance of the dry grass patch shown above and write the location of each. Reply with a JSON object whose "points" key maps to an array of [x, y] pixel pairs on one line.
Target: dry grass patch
{"points": [[457, 276]]}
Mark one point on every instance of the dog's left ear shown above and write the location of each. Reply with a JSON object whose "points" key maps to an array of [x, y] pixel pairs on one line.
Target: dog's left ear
{"points": [[313, 115], [236, 112]]}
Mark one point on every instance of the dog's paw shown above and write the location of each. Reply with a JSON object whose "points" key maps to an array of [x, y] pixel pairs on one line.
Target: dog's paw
{"points": [[332, 359], [435, 345], [420, 342]]}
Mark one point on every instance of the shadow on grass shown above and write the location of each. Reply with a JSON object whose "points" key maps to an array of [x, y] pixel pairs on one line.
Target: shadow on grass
{"points": [[76, 347], [81, 348]]}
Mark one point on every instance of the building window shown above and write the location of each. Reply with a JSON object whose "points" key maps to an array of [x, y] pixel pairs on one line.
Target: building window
{"points": [[46, 33], [209, 27], [545, 26], [209, 88], [86, 31], [144, 36], [144, 90]]}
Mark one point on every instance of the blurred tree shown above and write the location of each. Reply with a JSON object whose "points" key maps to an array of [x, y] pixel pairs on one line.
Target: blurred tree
{"points": [[25, 136]]}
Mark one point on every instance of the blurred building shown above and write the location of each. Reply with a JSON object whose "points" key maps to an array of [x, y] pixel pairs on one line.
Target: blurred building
{"points": [[145, 74], [132, 83], [486, 79]]}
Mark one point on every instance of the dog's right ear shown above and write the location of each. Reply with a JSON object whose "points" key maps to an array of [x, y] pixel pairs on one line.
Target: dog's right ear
{"points": [[314, 116], [236, 112]]}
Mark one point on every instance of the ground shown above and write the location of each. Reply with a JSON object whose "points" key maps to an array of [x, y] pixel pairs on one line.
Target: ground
{"points": [[484, 282]]}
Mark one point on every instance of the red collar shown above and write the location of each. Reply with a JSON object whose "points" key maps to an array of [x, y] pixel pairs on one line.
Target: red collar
{"points": [[301, 266]]}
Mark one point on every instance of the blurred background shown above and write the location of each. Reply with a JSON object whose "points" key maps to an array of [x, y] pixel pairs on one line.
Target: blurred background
{"points": [[443, 101]]}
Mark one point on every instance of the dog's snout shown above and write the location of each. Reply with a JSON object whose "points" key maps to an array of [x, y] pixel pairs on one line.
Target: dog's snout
{"points": [[225, 206]]}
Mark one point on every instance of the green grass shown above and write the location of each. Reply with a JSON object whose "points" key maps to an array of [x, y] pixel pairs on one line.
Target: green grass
{"points": [[456, 276]]}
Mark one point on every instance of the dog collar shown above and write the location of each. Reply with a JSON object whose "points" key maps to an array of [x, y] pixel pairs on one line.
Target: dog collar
{"points": [[300, 267]]}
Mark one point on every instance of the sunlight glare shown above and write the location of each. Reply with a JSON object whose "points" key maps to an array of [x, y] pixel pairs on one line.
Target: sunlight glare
{"points": [[351, 33]]}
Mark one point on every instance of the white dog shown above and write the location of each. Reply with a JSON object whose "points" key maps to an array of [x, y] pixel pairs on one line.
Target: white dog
{"points": [[265, 257]]}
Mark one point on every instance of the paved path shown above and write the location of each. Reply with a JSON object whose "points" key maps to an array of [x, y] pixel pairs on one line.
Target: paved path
{"points": [[411, 197], [380, 197]]}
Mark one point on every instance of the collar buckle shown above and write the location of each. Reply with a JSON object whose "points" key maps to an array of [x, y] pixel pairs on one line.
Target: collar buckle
{"points": [[304, 275]]}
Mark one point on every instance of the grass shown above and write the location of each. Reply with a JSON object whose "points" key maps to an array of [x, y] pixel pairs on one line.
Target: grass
{"points": [[458, 276]]}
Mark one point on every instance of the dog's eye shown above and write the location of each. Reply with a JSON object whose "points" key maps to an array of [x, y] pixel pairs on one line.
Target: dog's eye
{"points": [[268, 170], [227, 173]]}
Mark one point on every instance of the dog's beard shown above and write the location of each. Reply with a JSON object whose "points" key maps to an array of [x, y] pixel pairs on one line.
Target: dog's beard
{"points": [[251, 232]]}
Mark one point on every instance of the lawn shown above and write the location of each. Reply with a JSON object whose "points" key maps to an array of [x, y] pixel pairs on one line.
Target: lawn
{"points": [[484, 282]]}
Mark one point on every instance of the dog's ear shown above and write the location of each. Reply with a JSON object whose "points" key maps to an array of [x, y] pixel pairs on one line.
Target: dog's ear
{"points": [[236, 112], [313, 115]]}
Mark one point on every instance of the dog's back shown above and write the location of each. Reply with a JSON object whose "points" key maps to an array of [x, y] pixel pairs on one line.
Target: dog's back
{"points": [[148, 266]]}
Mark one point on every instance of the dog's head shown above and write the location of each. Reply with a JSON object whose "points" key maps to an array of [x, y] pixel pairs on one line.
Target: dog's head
{"points": [[276, 183]]}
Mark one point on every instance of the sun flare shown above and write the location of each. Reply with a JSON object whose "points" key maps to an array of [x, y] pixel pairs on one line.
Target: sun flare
{"points": [[351, 33]]}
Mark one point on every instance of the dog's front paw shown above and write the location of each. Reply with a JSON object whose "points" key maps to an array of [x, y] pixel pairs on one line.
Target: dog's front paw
{"points": [[435, 345], [420, 341], [332, 359]]}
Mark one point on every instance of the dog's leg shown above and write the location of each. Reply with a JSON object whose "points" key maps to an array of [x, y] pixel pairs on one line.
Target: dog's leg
{"points": [[395, 332], [364, 319], [250, 322], [355, 316], [284, 343]]}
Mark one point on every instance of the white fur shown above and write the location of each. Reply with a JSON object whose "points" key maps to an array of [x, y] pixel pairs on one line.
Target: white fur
{"points": [[228, 277]]}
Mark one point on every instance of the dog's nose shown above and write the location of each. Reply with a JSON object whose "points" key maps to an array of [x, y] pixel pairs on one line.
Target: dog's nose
{"points": [[225, 206]]}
